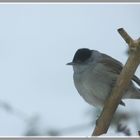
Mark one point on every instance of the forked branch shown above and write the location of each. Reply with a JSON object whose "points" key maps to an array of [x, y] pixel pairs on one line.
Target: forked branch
{"points": [[121, 85]]}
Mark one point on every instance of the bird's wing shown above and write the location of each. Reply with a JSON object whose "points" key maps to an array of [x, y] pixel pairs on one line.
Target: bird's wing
{"points": [[116, 66], [136, 79]]}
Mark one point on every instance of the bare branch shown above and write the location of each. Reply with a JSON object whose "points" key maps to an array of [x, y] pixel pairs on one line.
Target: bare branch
{"points": [[121, 85], [125, 35], [133, 44]]}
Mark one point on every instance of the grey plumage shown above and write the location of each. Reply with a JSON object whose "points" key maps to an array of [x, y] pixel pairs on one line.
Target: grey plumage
{"points": [[95, 74]]}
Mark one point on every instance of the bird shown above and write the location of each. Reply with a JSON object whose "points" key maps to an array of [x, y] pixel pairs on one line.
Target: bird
{"points": [[95, 75]]}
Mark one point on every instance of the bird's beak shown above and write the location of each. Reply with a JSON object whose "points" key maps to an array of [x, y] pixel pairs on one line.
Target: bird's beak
{"points": [[71, 63]]}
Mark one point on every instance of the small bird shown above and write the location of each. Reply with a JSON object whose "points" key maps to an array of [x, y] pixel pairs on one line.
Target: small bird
{"points": [[95, 75]]}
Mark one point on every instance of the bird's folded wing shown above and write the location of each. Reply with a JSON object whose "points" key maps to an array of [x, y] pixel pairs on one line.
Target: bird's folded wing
{"points": [[115, 66]]}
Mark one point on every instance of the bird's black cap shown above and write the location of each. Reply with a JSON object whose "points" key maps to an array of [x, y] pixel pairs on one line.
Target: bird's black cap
{"points": [[81, 55]]}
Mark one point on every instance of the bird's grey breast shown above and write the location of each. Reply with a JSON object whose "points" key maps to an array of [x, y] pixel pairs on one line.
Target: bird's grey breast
{"points": [[93, 84]]}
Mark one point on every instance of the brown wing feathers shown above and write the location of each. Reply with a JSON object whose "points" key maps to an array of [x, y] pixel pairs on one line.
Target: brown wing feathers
{"points": [[116, 67]]}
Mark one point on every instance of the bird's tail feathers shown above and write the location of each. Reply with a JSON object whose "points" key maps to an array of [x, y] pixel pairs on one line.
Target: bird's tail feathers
{"points": [[135, 94]]}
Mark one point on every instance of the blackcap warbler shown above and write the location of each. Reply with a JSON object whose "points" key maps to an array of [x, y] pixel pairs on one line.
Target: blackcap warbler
{"points": [[95, 74]]}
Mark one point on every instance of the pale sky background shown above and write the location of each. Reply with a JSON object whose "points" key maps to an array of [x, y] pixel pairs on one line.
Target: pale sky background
{"points": [[36, 42]]}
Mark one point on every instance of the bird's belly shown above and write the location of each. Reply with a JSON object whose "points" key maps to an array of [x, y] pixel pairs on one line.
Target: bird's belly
{"points": [[92, 89]]}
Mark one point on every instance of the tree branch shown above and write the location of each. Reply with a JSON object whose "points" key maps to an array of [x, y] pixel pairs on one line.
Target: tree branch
{"points": [[121, 85]]}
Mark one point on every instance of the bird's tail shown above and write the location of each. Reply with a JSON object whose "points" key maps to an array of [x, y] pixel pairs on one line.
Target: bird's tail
{"points": [[135, 96], [132, 94]]}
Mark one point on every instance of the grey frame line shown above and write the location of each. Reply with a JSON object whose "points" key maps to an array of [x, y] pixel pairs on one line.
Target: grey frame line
{"points": [[68, 138], [70, 1]]}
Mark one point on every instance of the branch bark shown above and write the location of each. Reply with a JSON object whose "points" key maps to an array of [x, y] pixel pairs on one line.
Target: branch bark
{"points": [[121, 85]]}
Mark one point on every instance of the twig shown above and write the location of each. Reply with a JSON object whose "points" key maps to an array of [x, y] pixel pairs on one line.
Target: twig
{"points": [[121, 85], [138, 133], [125, 36]]}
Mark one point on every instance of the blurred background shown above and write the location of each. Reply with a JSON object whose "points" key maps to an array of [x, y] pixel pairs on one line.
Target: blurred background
{"points": [[37, 94]]}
